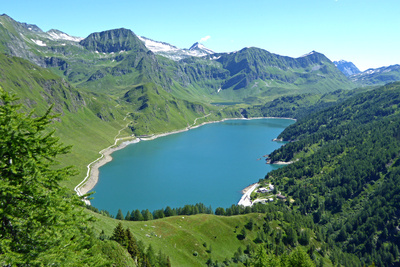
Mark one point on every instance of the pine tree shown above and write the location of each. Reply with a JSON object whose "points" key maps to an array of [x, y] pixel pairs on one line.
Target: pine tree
{"points": [[128, 216], [41, 223], [147, 216], [119, 234], [131, 244], [136, 216], [299, 257], [261, 258], [119, 216]]}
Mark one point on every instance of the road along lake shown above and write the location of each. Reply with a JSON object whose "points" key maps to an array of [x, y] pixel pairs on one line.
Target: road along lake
{"points": [[210, 164]]}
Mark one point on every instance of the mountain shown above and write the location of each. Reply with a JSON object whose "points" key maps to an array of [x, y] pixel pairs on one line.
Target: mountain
{"points": [[113, 61], [348, 68], [379, 76], [254, 72], [30, 42], [173, 52], [200, 50], [59, 35], [113, 41]]}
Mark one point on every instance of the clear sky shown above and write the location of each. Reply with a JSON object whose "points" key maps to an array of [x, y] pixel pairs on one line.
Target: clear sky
{"points": [[366, 32]]}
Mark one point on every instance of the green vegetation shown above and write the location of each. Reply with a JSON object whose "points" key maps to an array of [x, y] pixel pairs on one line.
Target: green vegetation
{"points": [[41, 223], [343, 186], [202, 239], [88, 121], [299, 106], [347, 175], [380, 76]]}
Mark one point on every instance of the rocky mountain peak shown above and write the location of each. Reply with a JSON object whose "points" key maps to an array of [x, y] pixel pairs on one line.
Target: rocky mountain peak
{"points": [[113, 41], [200, 47], [346, 67]]}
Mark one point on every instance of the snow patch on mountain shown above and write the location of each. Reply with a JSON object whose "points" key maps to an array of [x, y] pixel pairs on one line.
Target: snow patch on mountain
{"points": [[155, 46], [59, 35], [173, 52], [379, 70], [39, 42], [308, 54]]}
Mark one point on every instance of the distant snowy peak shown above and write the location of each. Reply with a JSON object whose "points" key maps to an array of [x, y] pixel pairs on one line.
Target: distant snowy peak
{"points": [[346, 67], [59, 35], [156, 46], [380, 70], [379, 76], [173, 52], [200, 47]]}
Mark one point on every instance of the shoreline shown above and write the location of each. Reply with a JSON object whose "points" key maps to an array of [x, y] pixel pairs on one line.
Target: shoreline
{"points": [[92, 175], [245, 190], [245, 199]]}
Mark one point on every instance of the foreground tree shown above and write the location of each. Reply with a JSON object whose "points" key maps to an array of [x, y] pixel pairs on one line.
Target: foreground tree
{"points": [[41, 223]]}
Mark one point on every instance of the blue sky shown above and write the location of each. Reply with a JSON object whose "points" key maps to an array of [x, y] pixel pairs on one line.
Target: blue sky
{"points": [[366, 32]]}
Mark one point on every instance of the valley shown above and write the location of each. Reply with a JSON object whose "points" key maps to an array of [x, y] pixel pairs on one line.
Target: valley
{"points": [[341, 188]]}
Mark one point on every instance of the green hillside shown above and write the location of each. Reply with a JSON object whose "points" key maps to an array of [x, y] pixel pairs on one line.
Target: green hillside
{"points": [[299, 106], [379, 76], [88, 121], [230, 240], [346, 172]]}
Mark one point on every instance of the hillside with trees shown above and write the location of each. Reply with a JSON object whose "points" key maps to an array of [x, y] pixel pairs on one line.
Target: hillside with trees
{"points": [[346, 172]]}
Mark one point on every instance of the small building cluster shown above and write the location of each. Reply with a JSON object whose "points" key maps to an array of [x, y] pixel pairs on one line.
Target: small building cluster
{"points": [[266, 190]]}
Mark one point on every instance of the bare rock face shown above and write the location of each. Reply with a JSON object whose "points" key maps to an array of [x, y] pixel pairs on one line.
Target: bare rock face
{"points": [[346, 67]]}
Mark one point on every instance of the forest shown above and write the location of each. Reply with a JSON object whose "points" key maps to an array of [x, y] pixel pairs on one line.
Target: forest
{"points": [[346, 173]]}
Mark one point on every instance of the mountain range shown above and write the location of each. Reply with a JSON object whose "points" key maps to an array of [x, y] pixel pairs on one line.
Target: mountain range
{"points": [[118, 58]]}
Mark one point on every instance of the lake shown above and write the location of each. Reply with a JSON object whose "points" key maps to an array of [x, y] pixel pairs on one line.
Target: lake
{"points": [[210, 165]]}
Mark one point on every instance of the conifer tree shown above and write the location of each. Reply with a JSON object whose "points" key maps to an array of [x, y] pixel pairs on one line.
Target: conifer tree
{"points": [[41, 223], [128, 216], [136, 216], [147, 216], [119, 234], [119, 216], [131, 244]]}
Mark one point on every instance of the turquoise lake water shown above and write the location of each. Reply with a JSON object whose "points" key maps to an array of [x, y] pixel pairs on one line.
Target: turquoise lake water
{"points": [[210, 165]]}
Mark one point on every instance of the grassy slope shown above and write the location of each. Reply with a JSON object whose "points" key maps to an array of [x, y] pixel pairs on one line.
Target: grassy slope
{"points": [[181, 236], [78, 124]]}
